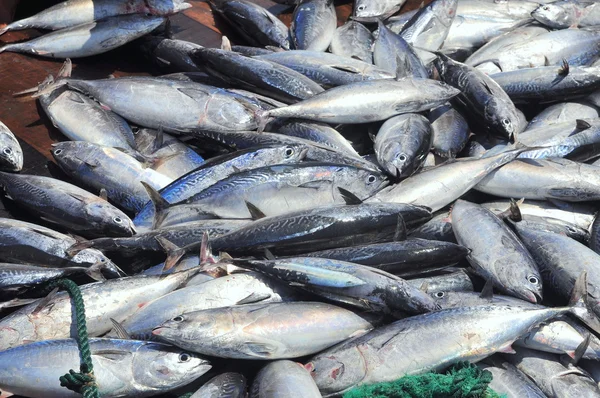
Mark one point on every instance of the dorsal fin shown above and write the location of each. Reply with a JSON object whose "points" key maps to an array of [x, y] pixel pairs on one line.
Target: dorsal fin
{"points": [[255, 212], [269, 255], [159, 203], [488, 290], [120, 330], [400, 233], [349, 197]]}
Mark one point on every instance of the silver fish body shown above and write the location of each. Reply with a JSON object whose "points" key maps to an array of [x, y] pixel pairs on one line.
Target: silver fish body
{"points": [[563, 112], [313, 25], [225, 385], [283, 379], [392, 53], [429, 27], [450, 131], [372, 11], [509, 380], [353, 40]]}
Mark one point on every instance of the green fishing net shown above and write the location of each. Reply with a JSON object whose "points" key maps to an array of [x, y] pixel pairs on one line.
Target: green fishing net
{"points": [[463, 380]]}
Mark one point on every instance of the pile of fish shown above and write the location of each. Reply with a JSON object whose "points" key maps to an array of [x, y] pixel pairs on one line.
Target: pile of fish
{"points": [[312, 208]]}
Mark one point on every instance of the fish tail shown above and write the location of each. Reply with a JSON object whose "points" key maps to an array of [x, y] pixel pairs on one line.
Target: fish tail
{"points": [[579, 306], [4, 30], [262, 118]]}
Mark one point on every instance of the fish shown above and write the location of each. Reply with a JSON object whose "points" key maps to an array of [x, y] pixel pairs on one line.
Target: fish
{"points": [[121, 367], [402, 144], [254, 23], [313, 25], [283, 378], [482, 96], [224, 385], [364, 287], [392, 53], [368, 101], [429, 27], [66, 205], [450, 131], [549, 224], [248, 332], [278, 81], [216, 169], [372, 11], [328, 69], [563, 112], [508, 380], [115, 298], [110, 169], [407, 257], [11, 154], [439, 286], [88, 39], [438, 228], [170, 53], [353, 40], [565, 14], [324, 227], [476, 228]]}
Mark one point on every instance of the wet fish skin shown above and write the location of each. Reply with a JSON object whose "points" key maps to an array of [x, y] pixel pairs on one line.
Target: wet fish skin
{"points": [[400, 258], [565, 14], [170, 53], [457, 281], [89, 39], [17, 278], [66, 205], [549, 224], [114, 298], [277, 80], [174, 106], [392, 53], [121, 367], [438, 186], [494, 250], [313, 25], [368, 101], [107, 168], [402, 144], [77, 12], [255, 23], [220, 292], [224, 385], [509, 380], [563, 112], [283, 378], [481, 95], [429, 27], [219, 168], [402, 348], [247, 332], [541, 179], [23, 242], [98, 125], [438, 228], [552, 376], [353, 40], [450, 131], [560, 265], [11, 154], [322, 228], [328, 69], [372, 11]]}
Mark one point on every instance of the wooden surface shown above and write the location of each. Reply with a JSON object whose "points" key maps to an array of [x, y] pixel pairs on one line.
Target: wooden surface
{"points": [[19, 72]]}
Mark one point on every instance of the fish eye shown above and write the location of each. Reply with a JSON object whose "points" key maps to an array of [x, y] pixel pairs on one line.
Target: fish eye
{"points": [[118, 220], [440, 294], [183, 357], [402, 157], [533, 280], [289, 152], [371, 179], [506, 122], [361, 7], [178, 318], [58, 151], [7, 151], [545, 8]]}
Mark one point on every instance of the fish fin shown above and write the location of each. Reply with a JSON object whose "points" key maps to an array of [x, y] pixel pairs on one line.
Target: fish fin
{"points": [[580, 306], [581, 349], [488, 290], [174, 252], [16, 303], [513, 212], [79, 246], [494, 61], [225, 43], [91, 163], [103, 194], [254, 298], [259, 349], [487, 87], [507, 349], [95, 271], [346, 68], [66, 70], [112, 355], [262, 119], [424, 287], [44, 301], [255, 212], [582, 124], [159, 141], [269, 255], [160, 204], [349, 197], [120, 330], [316, 184], [564, 69], [169, 28], [78, 197], [546, 61], [400, 233]]}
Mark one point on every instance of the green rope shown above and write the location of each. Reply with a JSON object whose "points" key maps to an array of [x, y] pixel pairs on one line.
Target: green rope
{"points": [[83, 381], [463, 380]]}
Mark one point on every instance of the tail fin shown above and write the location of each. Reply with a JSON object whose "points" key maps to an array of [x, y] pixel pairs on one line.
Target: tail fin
{"points": [[95, 272], [79, 246], [160, 205], [174, 252], [49, 84], [580, 306], [4, 30]]}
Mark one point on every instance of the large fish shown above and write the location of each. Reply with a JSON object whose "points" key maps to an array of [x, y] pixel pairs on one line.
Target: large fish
{"points": [[11, 154], [392, 53], [313, 25], [89, 39], [121, 367]]}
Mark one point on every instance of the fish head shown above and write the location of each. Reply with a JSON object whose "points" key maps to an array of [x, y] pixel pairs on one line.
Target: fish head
{"points": [[396, 160], [371, 11], [337, 372], [201, 324], [530, 288], [445, 11], [163, 367], [71, 155], [283, 154], [553, 15], [361, 182], [165, 7], [11, 156], [112, 220], [502, 116]]}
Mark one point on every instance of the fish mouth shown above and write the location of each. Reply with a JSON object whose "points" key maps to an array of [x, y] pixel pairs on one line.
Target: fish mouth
{"points": [[531, 296], [158, 330]]}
